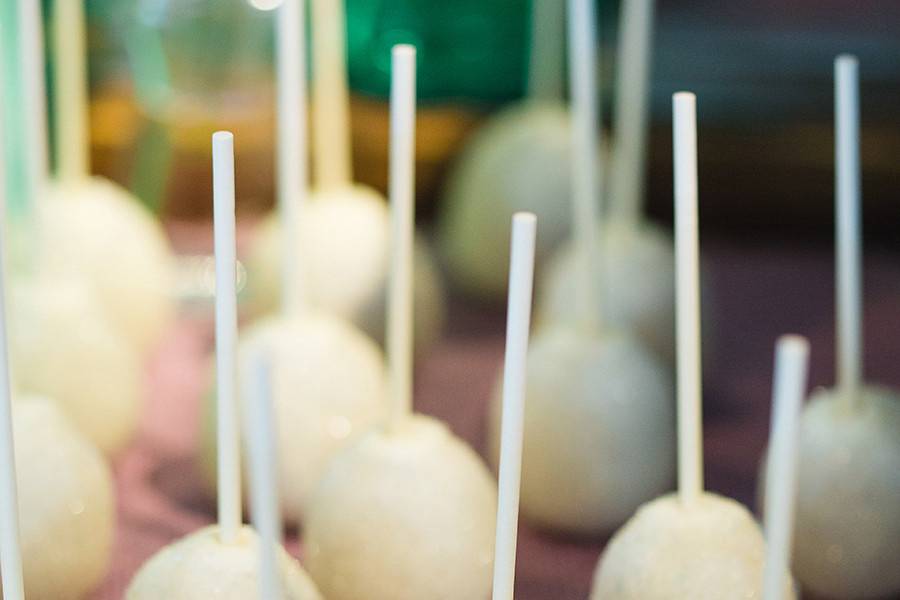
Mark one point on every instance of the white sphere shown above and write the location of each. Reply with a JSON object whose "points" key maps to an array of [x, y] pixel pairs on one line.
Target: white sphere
{"points": [[66, 504], [343, 257], [327, 385], [635, 284], [201, 567], [96, 229], [711, 550], [404, 515], [599, 430], [518, 161], [63, 347], [848, 495]]}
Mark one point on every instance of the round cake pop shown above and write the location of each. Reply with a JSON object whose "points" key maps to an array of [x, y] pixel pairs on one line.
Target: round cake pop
{"points": [[63, 347], [518, 161], [222, 562], [848, 496], [91, 226], [589, 381], [407, 511], [693, 545]]}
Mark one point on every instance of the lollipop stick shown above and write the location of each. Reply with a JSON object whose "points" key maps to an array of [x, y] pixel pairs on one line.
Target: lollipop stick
{"points": [[331, 104], [849, 237], [71, 97], [10, 548], [31, 43], [690, 441], [626, 180], [791, 359], [402, 177], [263, 476], [518, 319], [292, 153], [545, 79], [226, 337], [585, 171]]}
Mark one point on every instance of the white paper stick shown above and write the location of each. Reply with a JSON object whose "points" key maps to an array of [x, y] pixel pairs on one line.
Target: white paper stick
{"points": [[791, 361], [585, 166], [331, 101], [10, 546], [687, 267], [629, 159], [402, 197], [31, 46], [226, 337], [518, 322], [545, 64], [71, 93], [292, 151], [264, 504], [847, 223]]}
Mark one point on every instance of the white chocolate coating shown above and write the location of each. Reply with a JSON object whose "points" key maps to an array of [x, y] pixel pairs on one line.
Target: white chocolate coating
{"points": [[847, 528], [66, 504], [635, 283], [63, 347], [519, 161], [712, 550], [405, 515], [599, 430], [328, 387], [201, 567], [97, 230], [343, 256]]}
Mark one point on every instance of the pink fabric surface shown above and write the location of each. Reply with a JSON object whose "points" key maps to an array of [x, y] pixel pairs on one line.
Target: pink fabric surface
{"points": [[758, 293]]}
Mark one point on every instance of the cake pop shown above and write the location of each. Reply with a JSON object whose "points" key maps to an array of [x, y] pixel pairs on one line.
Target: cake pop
{"points": [[92, 226], [518, 161], [343, 229], [634, 266], [56, 496], [587, 380], [693, 544], [408, 510], [848, 493], [221, 562], [327, 377]]}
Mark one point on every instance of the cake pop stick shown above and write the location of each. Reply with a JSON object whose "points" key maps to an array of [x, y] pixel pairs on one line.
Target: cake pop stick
{"points": [[31, 44], [518, 320], [690, 440], [585, 168], [629, 159], [849, 239], [71, 94], [545, 73], [10, 547], [229, 475], [260, 437], [402, 191], [331, 110], [791, 362], [292, 151]]}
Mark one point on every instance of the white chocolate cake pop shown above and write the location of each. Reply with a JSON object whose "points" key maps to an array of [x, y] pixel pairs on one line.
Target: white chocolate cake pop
{"points": [[63, 347], [407, 511], [848, 494]]}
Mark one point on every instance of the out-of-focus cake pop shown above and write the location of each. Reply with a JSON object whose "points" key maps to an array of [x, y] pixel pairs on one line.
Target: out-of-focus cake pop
{"points": [[343, 229], [634, 265], [221, 562], [519, 160], [595, 394], [91, 226], [693, 544], [408, 511], [327, 377], [848, 495]]}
